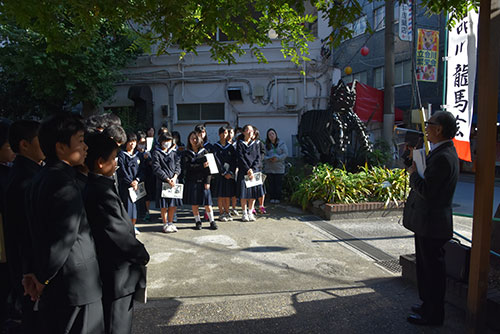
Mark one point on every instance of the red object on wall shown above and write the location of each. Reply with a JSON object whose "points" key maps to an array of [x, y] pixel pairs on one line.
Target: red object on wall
{"points": [[364, 51], [370, 103]]}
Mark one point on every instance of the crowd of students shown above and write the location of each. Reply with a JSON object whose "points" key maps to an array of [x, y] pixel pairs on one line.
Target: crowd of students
{"points": [[72, 263]]}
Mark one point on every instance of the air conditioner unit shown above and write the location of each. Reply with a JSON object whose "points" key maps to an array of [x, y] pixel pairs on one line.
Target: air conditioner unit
{"points": [[290, 96]]}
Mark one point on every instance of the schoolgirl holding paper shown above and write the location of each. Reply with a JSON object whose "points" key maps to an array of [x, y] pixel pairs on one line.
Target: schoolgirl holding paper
{"points": [[248, 161], [129, 175], [167, 168], [197, 180]]}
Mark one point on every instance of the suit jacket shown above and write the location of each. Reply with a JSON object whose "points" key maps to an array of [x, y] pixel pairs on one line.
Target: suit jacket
{"points": [[120, 254], [64, 250], [428, 210], [19, 244]]}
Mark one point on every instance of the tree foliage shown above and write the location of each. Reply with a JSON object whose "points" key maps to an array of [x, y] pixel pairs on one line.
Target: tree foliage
{"points": [[34, 81], [187, 24]]}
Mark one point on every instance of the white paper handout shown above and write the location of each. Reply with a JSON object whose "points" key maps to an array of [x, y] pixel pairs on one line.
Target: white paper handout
{"points": [[419, 158], [167, 191], [137, 194], [212, 165], [149, 143], [257, 179]]}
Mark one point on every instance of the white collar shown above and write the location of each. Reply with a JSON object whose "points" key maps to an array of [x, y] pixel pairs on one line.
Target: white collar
{"points": [[220, 145], [201, 150], [130, 155]]}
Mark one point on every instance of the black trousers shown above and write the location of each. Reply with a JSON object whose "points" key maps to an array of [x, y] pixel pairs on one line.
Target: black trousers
{"points": [[84, 319], [275, 184], [431, 276], [118, 314]]}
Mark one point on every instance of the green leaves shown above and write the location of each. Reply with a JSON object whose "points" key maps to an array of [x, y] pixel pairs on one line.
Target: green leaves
{"points": [[370, 184]]}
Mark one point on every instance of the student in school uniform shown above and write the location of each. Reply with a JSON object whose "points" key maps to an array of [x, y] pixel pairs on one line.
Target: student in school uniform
{"points": [[197, 180], [121, 256], [201, 130], [23, 139], [225, 185], [166, 168], [248, 161], [67, 281], [129, 175], [262, 148], [232, 139]]}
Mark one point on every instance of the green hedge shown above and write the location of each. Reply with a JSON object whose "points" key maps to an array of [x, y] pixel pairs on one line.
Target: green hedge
{"points": [[370, 184]]}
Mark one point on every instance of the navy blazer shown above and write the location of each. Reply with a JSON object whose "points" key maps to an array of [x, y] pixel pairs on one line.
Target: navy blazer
{"points": [[428, 209], [64, 251], [249, 156], [121, 256], [166, 164], [128, 171], [225, 157], [192, 164], [18, 240]]}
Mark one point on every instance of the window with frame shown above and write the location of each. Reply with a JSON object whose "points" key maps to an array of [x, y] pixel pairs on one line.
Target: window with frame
{"points": [[360, 76], [379, 16], [402, 73], [378, 77], [200, 112]]}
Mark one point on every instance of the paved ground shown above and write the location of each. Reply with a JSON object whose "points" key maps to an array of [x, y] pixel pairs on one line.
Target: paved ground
{"points": [[285, 273]]}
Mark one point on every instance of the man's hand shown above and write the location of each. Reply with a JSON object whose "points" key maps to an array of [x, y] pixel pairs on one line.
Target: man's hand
{"points": [[32, 287], [412, 168]]}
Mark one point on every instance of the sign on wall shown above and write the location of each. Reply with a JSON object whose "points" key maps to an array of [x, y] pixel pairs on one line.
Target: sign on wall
{"points": [[427, 55], [461, 75], [405, 21]]}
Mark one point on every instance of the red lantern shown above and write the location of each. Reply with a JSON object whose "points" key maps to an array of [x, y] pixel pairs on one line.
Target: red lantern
{"points": [[365, 51], [348, 70]]}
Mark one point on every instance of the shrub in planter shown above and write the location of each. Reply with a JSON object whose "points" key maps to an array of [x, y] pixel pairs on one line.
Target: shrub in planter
{"points": [[336, 185]]}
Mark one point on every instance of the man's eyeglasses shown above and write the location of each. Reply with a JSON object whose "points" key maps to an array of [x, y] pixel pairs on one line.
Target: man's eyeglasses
{"points": [[430, 123]]}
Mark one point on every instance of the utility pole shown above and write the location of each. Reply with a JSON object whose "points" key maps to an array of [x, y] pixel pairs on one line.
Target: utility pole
{"points": [[389, 73]]}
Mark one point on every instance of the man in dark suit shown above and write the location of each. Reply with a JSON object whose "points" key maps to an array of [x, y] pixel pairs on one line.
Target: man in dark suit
{"points": [[66, 268], [428, 214], [23, 139]]}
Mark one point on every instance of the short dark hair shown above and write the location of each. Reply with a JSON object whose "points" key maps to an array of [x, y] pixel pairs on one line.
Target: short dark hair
{"points": [[58, 128], [141, 135], [448, 122], [176, 136], [131, 136], [112, 119], [223, 128], [164, 137], [22, 130], [117, 133], [162, 130], [100, 146]]}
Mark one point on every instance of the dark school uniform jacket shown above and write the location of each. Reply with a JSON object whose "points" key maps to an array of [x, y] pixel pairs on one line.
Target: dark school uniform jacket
{"points": [[428, 209], [192, 164], [64, 252], [129, 171], [121, 256], [248, 156], [225, 156], [166, 164], [18, 240]]}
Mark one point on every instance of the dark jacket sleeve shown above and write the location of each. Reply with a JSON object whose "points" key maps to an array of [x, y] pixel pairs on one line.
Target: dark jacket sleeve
{"points": [[177, 162], [256, 164], [118, 229], [157, 168], [434, 175], [242, 161], [123, 173]]}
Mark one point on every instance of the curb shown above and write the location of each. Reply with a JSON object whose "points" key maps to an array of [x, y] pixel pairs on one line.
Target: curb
{"points": [[355, 210]]}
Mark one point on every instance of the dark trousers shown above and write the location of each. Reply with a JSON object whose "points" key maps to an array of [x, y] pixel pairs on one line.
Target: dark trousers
{"points": [[118, 314], [275, 184], [84, 319], [431, 276]]}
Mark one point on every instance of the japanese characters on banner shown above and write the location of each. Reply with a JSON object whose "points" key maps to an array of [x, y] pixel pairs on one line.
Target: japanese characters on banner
{"points": [[405, 21], [427, 55], [461, 75]]}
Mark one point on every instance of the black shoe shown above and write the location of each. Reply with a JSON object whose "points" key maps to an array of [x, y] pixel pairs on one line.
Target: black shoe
{"points": [[417, 309], [197, 226], [213, 226], [417, 319]]}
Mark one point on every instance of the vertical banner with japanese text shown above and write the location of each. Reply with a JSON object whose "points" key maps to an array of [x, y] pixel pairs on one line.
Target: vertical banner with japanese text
{"points": [[405, 21], [460, 79], [427, 55]]}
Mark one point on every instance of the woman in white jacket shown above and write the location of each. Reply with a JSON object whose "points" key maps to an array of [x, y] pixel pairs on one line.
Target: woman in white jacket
{"points": [[274, 164]]}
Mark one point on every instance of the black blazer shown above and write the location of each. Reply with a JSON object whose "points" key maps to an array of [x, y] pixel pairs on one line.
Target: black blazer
{"points": [[64, 250], [428, 210], [121, 256], [18, 240]]}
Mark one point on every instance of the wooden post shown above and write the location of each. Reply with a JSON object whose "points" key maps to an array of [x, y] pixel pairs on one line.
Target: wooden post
{"points": [[486, 147]]}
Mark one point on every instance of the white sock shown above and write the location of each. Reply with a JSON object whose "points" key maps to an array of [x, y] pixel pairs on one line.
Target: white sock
{"points": [[170, 223], [246, 212], [197, 218], [210, 216]]}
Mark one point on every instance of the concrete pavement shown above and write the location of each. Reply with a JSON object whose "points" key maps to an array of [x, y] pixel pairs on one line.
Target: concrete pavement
{"points": [[284, 273]]}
